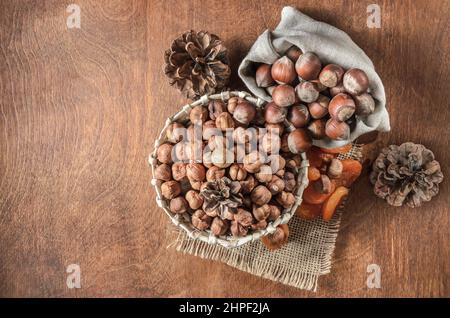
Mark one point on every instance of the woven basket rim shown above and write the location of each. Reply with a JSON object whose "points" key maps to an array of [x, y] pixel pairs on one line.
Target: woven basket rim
{"points": [[182, 221]]}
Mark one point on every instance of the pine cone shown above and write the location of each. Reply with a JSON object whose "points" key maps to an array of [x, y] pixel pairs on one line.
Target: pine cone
{"points": [[223, 196], [197, 64], [406, 174]]}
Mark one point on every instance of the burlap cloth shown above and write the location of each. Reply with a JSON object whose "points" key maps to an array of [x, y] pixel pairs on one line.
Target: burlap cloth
{"points": [[300, 263]]}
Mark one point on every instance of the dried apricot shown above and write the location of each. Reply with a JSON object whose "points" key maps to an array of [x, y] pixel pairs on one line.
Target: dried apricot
{"points": [[313, 173], [312, 196], [309, 211], [277, 239], [333, 202], [351, 170], [337, 150]]}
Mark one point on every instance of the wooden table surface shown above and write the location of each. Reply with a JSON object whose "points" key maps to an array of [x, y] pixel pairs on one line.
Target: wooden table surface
{"points": [[80, 109]]}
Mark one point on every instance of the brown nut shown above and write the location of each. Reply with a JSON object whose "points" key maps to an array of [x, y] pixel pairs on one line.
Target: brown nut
{"points": [[219, 226], [210, 129], [298, 115], [365, 104], [277, 239], [194, 199], [293, 53], [270, 143], [175, 132], [214, 173], [264, 175], [283, 95], [337, 130], [307, 92], [200, 220], [248, 184], [196, 185], [170, 189], [163, 172], [275, 212], [289, 181], [276, 185], [261, 212], [164, 153], [215, 108], [319, 108], [237, 172], [178, 205], [253, 161], [179, 170], [238, 229], [319, 86], [244, 217], [275, 128], [337, 90], [285, 199], [341, 107], [261, 195], [299, 141], [274, 114], [232, 103], [244, 113], [196, 172], [317, 129], [356, 81], [276, 162], [280, 173], [198, 114], [308, 66], [224, 121], [331, 75], [222, 157], [263, 76], [283, 71], [335, 168], [261, 225]]}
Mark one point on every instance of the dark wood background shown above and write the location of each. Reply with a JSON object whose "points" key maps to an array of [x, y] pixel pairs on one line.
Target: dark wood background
{"points": [[80, 109]]}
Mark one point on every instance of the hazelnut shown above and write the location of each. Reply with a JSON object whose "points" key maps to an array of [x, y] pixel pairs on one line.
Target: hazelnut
{"points": [[293, 53], [170, 189], [318, 85], [244, 217], [264, 175], [294, 162], [356, 81], [206, 158], [365, 104], [277, 163], [195, 172], [200, 220], [261, 225], [248, 184], [196, 185], [283, 71], [306, 92], [275, 128], [163, 172], [237, 172], [299, 140], [337, 130], [285, 199], [276, 185], [175, 132], [261, 195], [319, 108], [335, 168], [178, 205], [289, 181], [164, 153], [270, 143], [210, 129], [198, 113], [232, 103], [222, 157], [274, 114], [341, 107], [298, 115], [263, 76], [323, 184], [331, 75], [214, 173], [244, 113], [308, 66], [215, 108], [275, 212], [284, 143], [283, 95], [194, 199], [224, 121], [253, 161], [219, 226], [179, 170], [180, 152], [277, 239], [237, 229], [317, 128], [337, 90], [261, 212], [280, 173]]}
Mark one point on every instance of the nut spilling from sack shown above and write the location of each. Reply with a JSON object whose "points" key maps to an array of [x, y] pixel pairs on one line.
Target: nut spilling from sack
{"points": [[325, 100]]}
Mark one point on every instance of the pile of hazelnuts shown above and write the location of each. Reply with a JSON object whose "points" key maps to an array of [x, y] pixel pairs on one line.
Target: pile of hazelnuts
{"points": [[264, 180], [321, 101]]}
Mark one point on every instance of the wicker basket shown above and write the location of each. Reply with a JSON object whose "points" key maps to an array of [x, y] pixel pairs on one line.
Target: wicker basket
{"points": [[183, 220]]}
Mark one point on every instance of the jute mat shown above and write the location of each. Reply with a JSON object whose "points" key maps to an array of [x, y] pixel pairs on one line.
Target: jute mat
{"points": [[299, 263]]}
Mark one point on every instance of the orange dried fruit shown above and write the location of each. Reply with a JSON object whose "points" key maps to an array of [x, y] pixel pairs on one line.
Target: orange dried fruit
{"points": [[309, 211], [312, 196], [337, 150], [333, 202], [277, 239], [313, 173], [351, 170]]}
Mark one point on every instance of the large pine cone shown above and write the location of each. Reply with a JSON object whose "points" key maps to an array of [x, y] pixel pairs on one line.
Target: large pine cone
{"points": [[197, 64], [406, 174]]}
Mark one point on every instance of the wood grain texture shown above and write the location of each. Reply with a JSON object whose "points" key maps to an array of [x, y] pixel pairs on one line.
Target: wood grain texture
{"points": [[80, 109]]}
